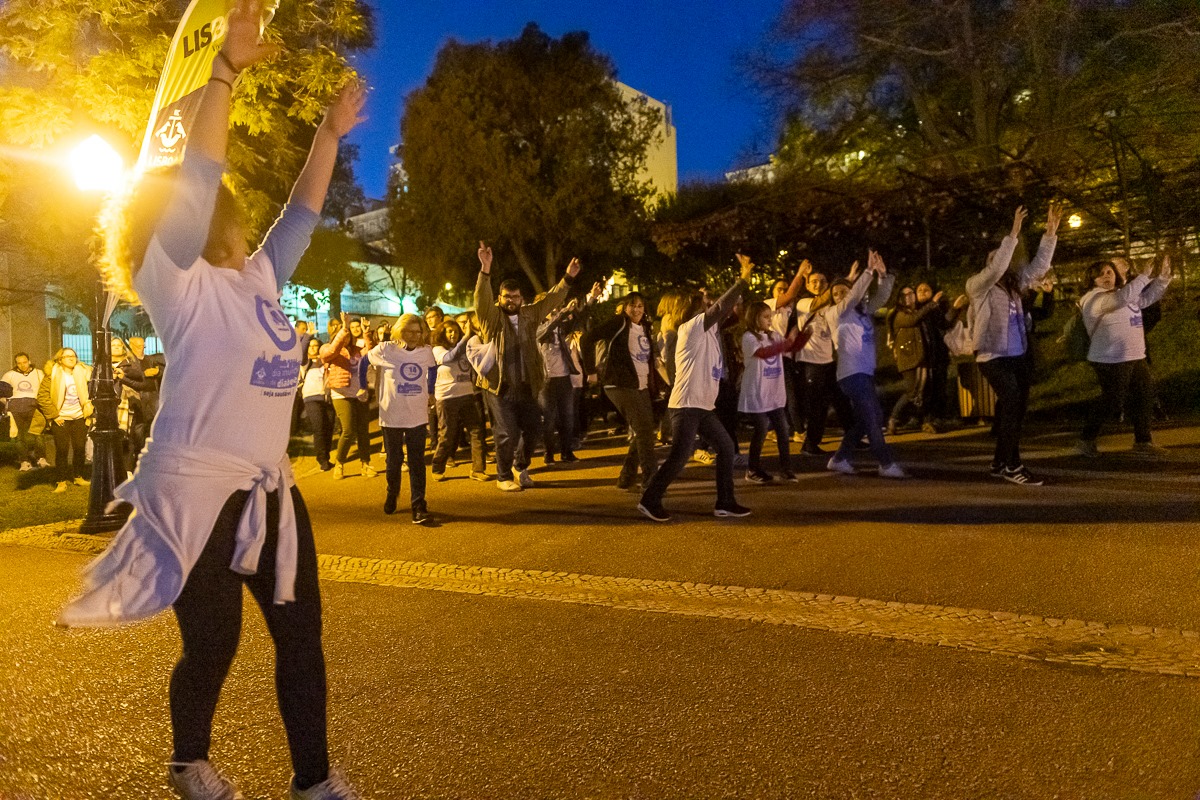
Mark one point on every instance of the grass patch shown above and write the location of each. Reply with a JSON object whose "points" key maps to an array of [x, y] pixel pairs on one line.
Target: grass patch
{"points": [[28, 500]]}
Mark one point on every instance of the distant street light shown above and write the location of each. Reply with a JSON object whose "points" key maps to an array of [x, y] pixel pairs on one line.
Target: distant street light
{"points": [[1075, 221], [449, 286], [97, 167]]}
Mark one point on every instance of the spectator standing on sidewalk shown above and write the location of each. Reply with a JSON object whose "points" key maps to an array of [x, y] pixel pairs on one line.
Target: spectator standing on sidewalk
{"points": [[152, 371], [64, 399], [407, 371], [1112, 315], [216, 507], [27, 422], [343, 376], [454, 391], [621, 354], [852, 318], [1000, 336], [699, 367], [911, 347], [514, 381]]}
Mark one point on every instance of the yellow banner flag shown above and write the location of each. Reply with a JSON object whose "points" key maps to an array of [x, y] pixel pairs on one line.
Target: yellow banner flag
{"points": [[197, 40]]}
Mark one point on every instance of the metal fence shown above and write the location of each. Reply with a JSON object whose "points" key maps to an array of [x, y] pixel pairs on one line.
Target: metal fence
{"points": [[81, 343]]}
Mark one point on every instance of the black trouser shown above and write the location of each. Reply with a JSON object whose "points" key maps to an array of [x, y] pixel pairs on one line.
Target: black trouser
{"points": [[915, 381], [209, 611], [29, 446], [1128, 381], [820, 389], [1009, 378], [558, 414], [320, 419], [398, 441], [776, 420], [685, 424], [515, 417], [935, 389], [793, 379], [727, 413], [354, 415], [435, 425], [70, 448], [454, 413], [635, 406], [868, 419]]}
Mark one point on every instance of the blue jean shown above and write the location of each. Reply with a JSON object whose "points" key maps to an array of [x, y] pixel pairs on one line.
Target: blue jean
{"points": [[516, 418], [685, 424], [396, 441], [777, 421], [868, 419]]}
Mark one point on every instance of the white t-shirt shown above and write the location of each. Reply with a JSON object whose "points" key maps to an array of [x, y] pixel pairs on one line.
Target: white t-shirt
{"points": [[71, 409], [639, 352], [25, 387], [699, 365], [453, 379], [855, 342], [404, 382], [233, 395], [1118, 335], [763, 387], [819, 347], [314, 382]]}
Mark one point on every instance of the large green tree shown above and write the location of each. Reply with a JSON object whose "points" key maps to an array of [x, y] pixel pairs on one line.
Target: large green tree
{"points": [[72, 67], [527, 143]]}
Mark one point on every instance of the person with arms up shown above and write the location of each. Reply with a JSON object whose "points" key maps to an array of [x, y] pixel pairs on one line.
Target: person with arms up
{"points": [[215, 505]]}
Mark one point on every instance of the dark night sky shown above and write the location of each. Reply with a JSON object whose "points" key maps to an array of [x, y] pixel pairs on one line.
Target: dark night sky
{"points": [[683, 52]]}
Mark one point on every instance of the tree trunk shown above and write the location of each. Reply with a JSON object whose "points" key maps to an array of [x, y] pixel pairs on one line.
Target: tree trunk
{"points": [[527, 267], [553, 256]]}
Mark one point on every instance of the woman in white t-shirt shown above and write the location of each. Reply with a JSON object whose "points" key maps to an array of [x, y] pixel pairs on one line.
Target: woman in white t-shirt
{"points": [[407, 372], [216, 506], [1112, 315], [763, 397], [66, 403], [454, 393], [317, 407]]}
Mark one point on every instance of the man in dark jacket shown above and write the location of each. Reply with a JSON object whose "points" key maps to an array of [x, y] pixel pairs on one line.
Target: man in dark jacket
{"points": [[512, 385]]}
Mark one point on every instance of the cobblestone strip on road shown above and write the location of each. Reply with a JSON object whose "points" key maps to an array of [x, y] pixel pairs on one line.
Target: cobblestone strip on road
{"points": [[1136, 648]]}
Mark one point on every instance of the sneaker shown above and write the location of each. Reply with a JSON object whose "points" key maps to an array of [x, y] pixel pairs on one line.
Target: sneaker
{"points": [[326, 467], [758, 476], [440, 476], [1087, 448], [731, 510], [704, 457], [740, 461], [1148, 449], [996, 470], [339, 471], [200, 780], [335, 787], [82, 482], [654, 512], [482, 477], [389, 504], [840, 465], [894, 471], [524, 479], [61, 487], [548, 460], [508, 486], [42, 463], [420, 514], [624, 481], [929, 427], [789, 477], [25, 466], [368, 471], [569, 458], [451, 463], [1021, 477]]}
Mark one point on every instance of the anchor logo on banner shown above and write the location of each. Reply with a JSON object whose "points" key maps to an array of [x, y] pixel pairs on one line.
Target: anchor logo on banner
{"points": [[172, 132]]}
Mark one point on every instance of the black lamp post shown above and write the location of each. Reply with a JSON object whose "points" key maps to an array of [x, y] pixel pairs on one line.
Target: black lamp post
{"points": [[108, 440]]}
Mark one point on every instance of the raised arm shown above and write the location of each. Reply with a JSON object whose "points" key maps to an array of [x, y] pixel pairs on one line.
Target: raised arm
{"points": [[980, 282], [555, 297], [485, 300], [1160, 279], [796, 286], [725, 303]]}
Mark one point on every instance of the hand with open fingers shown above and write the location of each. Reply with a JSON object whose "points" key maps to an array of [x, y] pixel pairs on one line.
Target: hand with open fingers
{"points": [[574, 267], [747, 266], [853, 273], [597, 290], [485, 257], [345, 321], [1053, 218], [1018, 220], [243, 44], [345, 112], [806, 268]]}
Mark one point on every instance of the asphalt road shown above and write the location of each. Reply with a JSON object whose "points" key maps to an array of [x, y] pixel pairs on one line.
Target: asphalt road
{"points": [[461, 695]]}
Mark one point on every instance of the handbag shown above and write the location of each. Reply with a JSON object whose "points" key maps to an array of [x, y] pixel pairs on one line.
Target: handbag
{"points": [[958, 340]]}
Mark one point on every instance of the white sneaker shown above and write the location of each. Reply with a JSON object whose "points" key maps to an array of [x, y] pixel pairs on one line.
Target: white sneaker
{"points": [[368, 471], [200, 780], [525, 480], [839, 465], [339, 471], [508, 486], [335, 787], [43, 463], [894, 471], [26, 466], [61, 487], [82, 482]]}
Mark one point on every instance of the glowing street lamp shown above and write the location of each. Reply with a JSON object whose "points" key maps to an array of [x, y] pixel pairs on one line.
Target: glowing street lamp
{"points": [[449, 286], [1075, 221], [97, 167]]}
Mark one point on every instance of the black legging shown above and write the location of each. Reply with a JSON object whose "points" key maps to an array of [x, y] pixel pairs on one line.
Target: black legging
{"points": [[1127, 381], [1009, 378], [70, 448], [209, 611]]}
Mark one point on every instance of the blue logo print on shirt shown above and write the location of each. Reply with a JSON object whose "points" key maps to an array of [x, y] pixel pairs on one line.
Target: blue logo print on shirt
{"points": [[410, 372], [275, 323], [277, 373], [643, 353]]}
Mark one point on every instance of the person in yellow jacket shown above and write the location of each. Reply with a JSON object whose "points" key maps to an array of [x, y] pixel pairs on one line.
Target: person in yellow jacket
{"points": [[66, 403]]}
